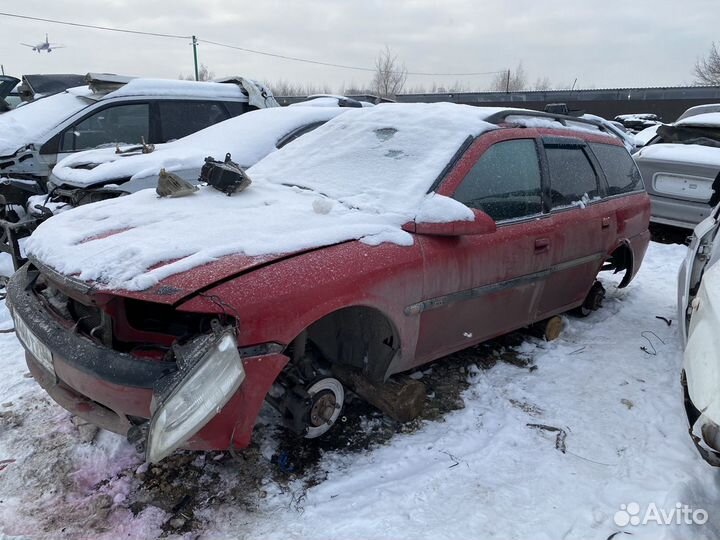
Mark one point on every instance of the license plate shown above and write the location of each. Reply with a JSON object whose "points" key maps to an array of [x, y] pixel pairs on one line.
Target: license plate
{"points": [[39, 351]]}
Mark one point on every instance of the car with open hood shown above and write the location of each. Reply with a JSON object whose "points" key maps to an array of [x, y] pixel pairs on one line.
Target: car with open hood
{"points": [[679, 165], [385, 239]]}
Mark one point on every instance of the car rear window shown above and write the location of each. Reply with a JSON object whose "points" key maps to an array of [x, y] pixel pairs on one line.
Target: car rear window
{"points": [[572, 177], [621, 172], [505, 182], [181, 118]]}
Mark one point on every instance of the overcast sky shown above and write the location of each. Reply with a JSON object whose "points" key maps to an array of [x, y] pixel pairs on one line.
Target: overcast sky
{"points": [[603, 44]]}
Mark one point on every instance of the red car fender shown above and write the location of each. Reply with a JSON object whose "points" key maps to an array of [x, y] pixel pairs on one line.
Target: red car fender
{"points": [[277, 302], [234, 423]]}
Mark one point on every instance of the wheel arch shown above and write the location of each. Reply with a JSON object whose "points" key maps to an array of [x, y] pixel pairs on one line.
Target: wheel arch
{"points": [[357, 336], [621, 258]]}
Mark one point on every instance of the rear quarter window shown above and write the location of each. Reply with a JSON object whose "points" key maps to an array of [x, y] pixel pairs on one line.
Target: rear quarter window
{"points": [[620, 169], [572, 176]]}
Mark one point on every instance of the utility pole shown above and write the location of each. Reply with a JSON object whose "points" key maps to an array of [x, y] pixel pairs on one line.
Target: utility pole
{"points": [[195, 44], [507, 83]]}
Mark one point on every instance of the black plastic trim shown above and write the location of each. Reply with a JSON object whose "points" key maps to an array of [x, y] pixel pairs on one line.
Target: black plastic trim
{"points": [[75, 350]]}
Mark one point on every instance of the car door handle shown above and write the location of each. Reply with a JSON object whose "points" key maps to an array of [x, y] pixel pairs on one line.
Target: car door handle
{"points": [[605, 222], [542, 244]]}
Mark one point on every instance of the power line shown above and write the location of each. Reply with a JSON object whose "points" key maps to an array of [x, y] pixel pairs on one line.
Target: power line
{"points": [[342, 66], [96, 27], [238, 48]]}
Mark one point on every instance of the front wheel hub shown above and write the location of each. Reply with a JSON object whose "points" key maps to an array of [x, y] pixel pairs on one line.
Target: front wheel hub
{"points": [[327, 397]]}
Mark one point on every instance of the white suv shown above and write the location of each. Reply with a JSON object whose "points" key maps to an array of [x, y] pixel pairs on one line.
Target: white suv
{"points": [[115, 110]]}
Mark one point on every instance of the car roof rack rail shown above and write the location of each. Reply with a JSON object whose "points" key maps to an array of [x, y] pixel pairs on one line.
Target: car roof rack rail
{"points": [[501, 116]]}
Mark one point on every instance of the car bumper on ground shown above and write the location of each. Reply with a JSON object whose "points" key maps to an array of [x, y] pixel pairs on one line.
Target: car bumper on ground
{"points": [[119, 392]]}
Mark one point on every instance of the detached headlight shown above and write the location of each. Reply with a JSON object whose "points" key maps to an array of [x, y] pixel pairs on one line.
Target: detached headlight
{"points": [[210, 373]]}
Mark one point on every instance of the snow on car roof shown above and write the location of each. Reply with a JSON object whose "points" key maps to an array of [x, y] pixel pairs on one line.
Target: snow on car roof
{"points": [[684, 153], [248, 138], [360, 176], [28, 123], [711, 119], [172, 87]]}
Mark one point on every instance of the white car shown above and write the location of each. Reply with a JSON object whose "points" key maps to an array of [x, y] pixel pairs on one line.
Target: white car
{"points": [[699, 317], [109, 172], [116, 110]]}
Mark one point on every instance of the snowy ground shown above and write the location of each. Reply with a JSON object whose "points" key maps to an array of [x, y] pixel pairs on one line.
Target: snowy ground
{"points": [[476, 472]]}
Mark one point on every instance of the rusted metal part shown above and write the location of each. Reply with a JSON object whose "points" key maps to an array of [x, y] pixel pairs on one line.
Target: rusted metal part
{"points": [[402, 398]]}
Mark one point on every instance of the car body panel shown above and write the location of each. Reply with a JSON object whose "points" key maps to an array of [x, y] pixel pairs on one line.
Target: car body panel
{"points": [[679, 189]]}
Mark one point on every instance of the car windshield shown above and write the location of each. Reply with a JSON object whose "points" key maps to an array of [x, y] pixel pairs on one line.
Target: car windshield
{"points": [[381, 159]]}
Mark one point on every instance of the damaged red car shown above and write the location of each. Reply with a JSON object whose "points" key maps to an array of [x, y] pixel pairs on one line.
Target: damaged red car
{"points": [[383, 240]]}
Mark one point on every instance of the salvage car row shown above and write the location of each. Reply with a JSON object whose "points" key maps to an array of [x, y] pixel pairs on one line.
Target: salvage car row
{"points": [[328, 250]]}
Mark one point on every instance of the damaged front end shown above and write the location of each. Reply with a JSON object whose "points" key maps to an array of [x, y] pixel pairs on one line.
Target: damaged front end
{"points": [[210, 371], [163, 377]]}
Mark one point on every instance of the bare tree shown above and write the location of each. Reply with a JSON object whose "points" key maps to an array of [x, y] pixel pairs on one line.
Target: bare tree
{"points": [[707, 68], [287, 88], [542, 84], [390, 74], [510, 80], [204, 74]]}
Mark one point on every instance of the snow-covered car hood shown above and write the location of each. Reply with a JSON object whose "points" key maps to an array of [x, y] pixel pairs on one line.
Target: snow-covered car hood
{"points": [[680, 153], [248, 138], [27, 124], [710, 119], [360, 176]]}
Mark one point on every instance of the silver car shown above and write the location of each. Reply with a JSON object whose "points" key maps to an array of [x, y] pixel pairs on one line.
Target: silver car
{"points": [[679, 166]]}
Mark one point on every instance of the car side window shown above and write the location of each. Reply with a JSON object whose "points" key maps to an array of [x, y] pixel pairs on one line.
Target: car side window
{"points": [[121, 124], [572, 176], [505, 182], [620, 169], [181, 118]]}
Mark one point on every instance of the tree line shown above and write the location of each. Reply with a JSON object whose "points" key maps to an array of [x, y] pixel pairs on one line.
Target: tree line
{"points": [[390, 78]]}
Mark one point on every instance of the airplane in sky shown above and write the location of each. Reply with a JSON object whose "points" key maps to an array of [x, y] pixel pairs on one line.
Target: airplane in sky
{"points": [[44, 46]]}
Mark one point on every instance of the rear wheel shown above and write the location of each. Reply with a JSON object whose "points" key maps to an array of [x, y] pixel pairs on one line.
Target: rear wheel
{"points": [[593, 301]]}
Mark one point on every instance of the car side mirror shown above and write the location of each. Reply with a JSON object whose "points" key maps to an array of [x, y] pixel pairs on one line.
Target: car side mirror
{"points": [[482, 224]]}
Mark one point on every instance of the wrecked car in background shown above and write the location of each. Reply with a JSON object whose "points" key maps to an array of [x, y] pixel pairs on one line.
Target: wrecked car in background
{"points": [[638, 121], [698, 301], [110, 110], [679, 166], [100, 174], [383, 240]]}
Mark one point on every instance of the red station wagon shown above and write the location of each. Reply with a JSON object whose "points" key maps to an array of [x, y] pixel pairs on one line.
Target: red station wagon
{"points": [[184, 355]]}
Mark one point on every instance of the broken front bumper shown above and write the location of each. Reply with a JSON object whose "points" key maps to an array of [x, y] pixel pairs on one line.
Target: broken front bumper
{"points": [[115, 390]]}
